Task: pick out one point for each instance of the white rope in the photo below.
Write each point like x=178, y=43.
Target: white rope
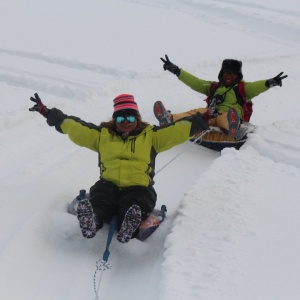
x=199, y=137
x=101, y=266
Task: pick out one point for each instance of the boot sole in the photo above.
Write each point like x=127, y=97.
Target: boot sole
x=86, y=220
x=130, y=224
x=233, y=122
x=161, y=113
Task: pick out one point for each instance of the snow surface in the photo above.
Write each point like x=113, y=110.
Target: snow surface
x=233, y=225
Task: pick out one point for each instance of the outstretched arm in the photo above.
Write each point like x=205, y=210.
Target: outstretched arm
x=166, y=137
x=80, y=132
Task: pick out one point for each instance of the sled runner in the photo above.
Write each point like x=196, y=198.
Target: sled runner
x=147, y=226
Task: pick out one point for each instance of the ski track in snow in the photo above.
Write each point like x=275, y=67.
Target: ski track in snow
x=49, y=77
x=38, y=159
x=255, y=19
x=56, y=159
x=72, y=64
x=42, y=164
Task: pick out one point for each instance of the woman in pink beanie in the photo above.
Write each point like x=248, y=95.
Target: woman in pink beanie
x=127, y=147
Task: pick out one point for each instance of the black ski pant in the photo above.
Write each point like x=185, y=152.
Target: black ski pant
x=108, y=200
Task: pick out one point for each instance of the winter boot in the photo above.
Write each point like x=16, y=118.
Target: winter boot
x=162, y=115
x=130, y=223
x=86, y=218
x=233, y=122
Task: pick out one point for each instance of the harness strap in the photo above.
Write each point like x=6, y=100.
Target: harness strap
x=239, y=90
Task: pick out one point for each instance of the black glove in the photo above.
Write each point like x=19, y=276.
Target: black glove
x=277, y=80
x=170, y=66
x=39, y=106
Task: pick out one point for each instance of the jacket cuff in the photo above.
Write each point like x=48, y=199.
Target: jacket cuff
x=55, y=117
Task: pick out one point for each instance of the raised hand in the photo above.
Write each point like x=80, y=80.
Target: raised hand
x=168, y=65
x=39, y=105
x=276, y=81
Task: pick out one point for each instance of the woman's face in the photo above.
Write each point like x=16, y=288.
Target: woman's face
x=126, y=123
x=229, y=78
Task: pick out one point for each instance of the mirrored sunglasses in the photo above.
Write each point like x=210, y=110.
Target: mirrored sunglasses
x=121, y=119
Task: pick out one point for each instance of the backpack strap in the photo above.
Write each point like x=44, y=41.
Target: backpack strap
x=247, y=105
x=240, y=94
x=212, y=91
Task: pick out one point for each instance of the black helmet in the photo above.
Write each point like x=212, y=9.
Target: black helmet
x=231, y=65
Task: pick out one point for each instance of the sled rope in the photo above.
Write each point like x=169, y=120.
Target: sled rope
x=102, y=264
x=198, y=138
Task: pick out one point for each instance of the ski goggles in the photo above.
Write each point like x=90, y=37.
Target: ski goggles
x=121, y=119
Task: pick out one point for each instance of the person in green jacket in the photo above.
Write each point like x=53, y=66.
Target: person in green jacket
x=223, y=107
x=127, y=147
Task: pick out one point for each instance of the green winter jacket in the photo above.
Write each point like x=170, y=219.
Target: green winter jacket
x=252, y=89
x=129, y=162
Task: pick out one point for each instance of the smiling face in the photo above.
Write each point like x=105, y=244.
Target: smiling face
x=229, y=78
x=231, y=72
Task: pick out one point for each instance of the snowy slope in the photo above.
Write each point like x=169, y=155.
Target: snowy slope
x=232, y=225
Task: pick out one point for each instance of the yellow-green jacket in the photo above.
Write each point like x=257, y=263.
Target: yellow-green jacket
x=252, y=89
x=129, y=162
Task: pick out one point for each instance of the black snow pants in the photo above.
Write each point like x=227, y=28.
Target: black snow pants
x=108, y=200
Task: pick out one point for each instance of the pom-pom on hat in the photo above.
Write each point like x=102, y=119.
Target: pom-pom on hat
x=124, y=104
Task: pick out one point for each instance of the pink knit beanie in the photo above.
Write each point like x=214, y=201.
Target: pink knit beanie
x=124, y=104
